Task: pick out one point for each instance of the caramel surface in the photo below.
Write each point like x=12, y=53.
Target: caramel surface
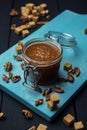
x=42, y=52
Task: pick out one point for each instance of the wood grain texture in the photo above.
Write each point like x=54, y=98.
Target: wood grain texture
x=78, y=6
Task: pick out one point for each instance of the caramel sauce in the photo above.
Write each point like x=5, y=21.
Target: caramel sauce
x=42, y=52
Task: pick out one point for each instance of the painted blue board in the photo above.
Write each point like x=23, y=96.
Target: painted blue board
x=68, y=22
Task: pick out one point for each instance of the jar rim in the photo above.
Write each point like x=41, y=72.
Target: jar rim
x=41, y=63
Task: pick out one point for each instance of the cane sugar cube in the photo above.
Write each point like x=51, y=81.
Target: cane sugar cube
x=67, y=66
x=42, y=127
x=30, y=6
x=54, y=98
x=78, y=125
x=18, y=30
x=23, y=27
x=32, y=24
x=19, y=49
x=25, y=33
x=51, y=105
x=68, y=119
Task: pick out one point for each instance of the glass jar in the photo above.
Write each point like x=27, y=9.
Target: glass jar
x=42, y=59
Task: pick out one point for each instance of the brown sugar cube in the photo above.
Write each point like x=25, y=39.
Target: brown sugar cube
x=39, y=8
x=24, y=11
x=23, y=27
x=42, y=13
x=51, y=105
x=20, y=43
x=67, y=66
x=30, y=6
x=42, y=22
x=54, y=98
x=18, y=30
x=30, y=17
x=19, y=49
x=68, y=119
x=42, y=127
x=32, y=24
x=35, y=18
x=43, y=5
x=34, y=12
x=25, y=32
x=78, y=125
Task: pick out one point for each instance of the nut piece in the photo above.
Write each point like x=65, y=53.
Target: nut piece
x=46, y=91
x=42, y=127
x=8, y=66
x=58, y=89
x=14, y=12
x=78, y=125
x=13, y=26
x=67, y=66
x=22, y=66
x=70, y=78
x=38, y=102
x=5, y=78
x=27, y=114
x=33, y=128
x=68, y=119
x=85, y=31
x=76, y=71
x=2, y=115
x=10, y=75
x=18, y=58
x=47, y=97
x=16, y=78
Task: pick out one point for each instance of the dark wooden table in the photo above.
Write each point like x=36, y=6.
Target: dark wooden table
x=14, y=118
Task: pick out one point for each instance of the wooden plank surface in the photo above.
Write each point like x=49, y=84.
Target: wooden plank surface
x=5, y=7
x=79, y=6
x=81, y=106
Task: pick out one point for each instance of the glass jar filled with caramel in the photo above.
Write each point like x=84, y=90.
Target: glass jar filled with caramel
x=42, y=59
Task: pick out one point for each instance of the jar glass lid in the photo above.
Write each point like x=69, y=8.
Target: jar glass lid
x=65, y=39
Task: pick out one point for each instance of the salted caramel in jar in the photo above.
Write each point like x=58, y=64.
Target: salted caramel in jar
x=42, y=59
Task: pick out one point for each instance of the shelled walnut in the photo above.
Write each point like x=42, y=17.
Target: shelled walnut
x=16, y=78
x=8, y=66
x=2, y=115
x=27, y=113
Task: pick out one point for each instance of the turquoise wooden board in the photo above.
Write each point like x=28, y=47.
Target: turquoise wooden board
x=68, y=22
